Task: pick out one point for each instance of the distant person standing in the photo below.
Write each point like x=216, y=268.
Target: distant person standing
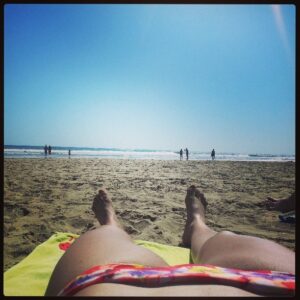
x=45, y=149
x=187, y=153
x=49, y=150
x=181, y=154
x=69, y=152
x=213, y=154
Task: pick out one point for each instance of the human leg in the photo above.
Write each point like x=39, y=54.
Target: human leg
x=195, y=206
x=105, y=245
x=226, y=249
x=283, y=205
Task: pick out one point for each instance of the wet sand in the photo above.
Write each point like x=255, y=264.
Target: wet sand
x=42, y=196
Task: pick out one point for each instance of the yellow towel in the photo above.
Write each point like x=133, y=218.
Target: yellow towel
x=30, y=277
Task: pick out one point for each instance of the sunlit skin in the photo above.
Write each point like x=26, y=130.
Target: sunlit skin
x=224, y=249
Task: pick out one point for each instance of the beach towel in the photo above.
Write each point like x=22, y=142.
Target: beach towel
x=30, y=277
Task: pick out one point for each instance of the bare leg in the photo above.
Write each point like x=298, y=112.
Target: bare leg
x=227, y=249
x=282, y=205
x=195, y=206
x=105, y=245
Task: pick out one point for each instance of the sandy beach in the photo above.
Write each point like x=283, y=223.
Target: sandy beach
x=42, y=196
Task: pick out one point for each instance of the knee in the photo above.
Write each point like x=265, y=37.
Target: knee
x=224, y=233
x=110, y=230
x=102, y=228
x=104, y=232
x=213, y=246
x=98, y=231
x=219, y=237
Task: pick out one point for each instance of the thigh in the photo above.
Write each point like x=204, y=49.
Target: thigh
x=105, y=245
x=231, y=250
x=203, y=290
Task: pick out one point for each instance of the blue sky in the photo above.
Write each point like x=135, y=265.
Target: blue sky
x=151, y=76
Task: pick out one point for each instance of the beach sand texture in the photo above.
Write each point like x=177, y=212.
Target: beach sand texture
x=42, y=196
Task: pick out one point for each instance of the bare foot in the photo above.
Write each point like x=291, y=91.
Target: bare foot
x=283, y=205
x=196, y=203
x=103, y=209
x=272, y=204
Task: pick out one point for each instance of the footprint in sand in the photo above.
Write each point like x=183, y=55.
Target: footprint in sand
x=130, y=229
x=157, y=230
x=142, y=224
x=16, y=210
x=80, y=223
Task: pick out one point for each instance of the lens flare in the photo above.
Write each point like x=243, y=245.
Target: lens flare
x=281, y=27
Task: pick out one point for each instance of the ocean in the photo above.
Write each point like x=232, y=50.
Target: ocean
x=12, y=151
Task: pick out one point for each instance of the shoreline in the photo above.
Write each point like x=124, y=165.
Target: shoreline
x=42, y=196
x=151, y=159
x=120, y=153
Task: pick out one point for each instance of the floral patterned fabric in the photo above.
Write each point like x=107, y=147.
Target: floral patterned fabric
x=259, y=282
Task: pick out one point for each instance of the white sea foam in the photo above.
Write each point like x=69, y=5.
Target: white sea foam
x=57, y=152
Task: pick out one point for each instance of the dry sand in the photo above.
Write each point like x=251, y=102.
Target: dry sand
x=42, y=196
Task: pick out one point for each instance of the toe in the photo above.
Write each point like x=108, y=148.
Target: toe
x=201, y=196
x=94, y=204
x=191, y=190
x=102, y=192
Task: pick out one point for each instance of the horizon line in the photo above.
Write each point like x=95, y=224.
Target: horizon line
x=137, y=149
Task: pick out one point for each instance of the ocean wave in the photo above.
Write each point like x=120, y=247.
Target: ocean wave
x=36, y=151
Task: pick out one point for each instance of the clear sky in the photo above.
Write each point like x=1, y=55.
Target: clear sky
x=151, y=76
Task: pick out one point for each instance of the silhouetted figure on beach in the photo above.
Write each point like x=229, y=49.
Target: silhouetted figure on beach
x=213, y=154
x=181, y=154
x=187, y=153
x=49, y=150
x=45, y=149
x=69, y=152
